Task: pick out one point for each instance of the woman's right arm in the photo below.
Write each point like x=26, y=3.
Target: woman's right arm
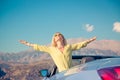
x=35, y=46
x=26, y=43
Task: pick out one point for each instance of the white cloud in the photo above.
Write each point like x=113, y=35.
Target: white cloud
x=116, y=27
x=89, y=28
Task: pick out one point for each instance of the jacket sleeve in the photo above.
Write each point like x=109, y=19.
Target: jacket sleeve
x=41, y=48
x=80, y=45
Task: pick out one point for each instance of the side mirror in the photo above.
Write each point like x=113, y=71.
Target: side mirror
x=44, y=72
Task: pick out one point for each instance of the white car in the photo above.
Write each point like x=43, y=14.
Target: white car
x=101, y=69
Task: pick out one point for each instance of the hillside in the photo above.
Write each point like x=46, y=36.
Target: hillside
x=12, y=71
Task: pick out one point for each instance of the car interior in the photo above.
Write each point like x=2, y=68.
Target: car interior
x=83, y=59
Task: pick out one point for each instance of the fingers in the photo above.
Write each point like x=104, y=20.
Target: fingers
x=23, y=41
x=94, y=38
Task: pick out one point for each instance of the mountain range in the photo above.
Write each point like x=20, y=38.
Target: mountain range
x=25, y=65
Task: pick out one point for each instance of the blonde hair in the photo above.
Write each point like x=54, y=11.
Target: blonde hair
x=53, y=41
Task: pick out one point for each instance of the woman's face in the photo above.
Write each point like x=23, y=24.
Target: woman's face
x=58, y=37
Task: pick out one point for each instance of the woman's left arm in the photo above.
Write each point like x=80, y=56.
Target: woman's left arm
x=82, y=44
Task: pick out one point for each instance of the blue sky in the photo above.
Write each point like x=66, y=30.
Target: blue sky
x=37, y=20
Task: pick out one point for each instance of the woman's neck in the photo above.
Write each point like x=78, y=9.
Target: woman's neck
x=60, y=45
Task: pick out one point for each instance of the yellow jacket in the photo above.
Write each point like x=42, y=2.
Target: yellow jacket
x=63, y=60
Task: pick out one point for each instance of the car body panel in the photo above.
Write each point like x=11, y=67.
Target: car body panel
x=87, y=71
x=83, y=75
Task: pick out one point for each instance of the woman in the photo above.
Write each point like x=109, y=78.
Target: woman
x=60, y=51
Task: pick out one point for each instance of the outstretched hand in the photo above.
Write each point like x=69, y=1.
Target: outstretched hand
x=92, y=39
x=23, y=42
x=26, y=43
